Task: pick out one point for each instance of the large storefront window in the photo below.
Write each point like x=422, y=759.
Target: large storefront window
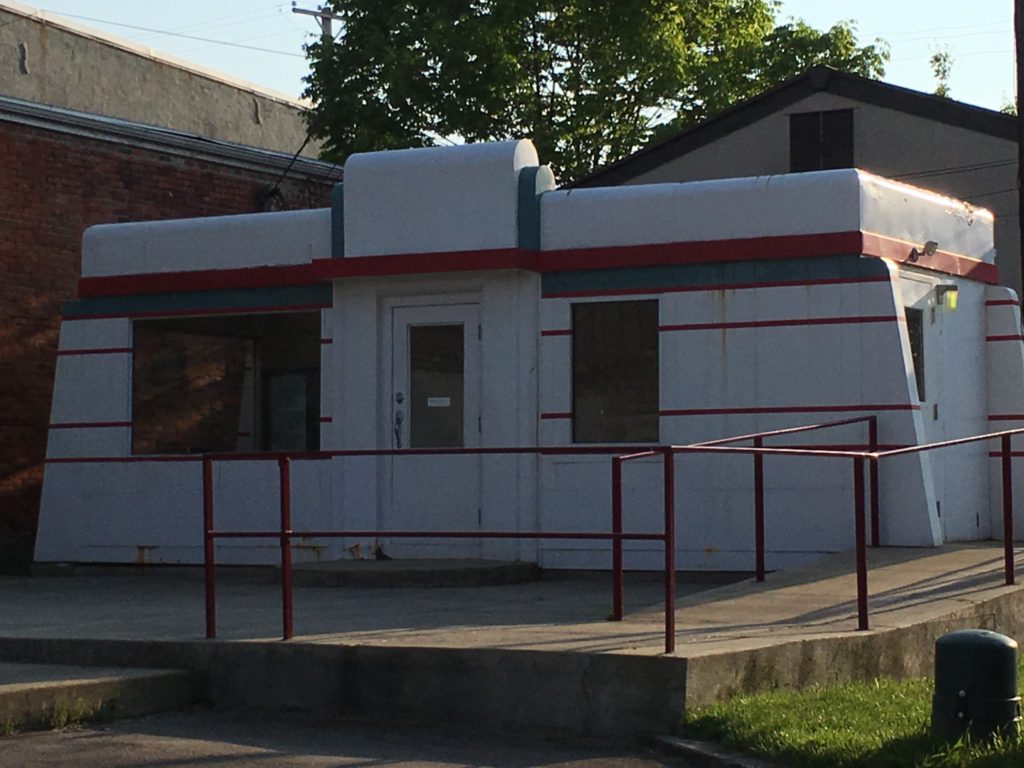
x=615, y=372
x=239, y=383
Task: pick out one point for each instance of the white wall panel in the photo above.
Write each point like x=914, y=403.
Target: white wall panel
x=215, y=242
x=108, y=333
x=92, y=388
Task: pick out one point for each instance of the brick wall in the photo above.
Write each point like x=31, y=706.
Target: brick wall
x=52, y=186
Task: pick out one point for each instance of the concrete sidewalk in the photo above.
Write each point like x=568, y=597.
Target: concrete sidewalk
x=55, y=695
x=533, y=653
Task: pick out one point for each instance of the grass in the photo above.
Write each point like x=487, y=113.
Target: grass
x=881, y=724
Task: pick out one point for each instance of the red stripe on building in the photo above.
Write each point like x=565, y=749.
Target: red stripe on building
x=1002, y=303
x=557, y=332
x=98, y=351
x=780, y=323
x=120, y=459
x=1006, y=417
x=570, y=259
x=199, y=280
x=326, y=341
x=941, y=261
x=1007, y=337
x=89, y=424
x=787, y=409
x=419, y=263
x=326, y=419
x=556, y=415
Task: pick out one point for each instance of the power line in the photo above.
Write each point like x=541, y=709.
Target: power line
x=254, y=17
x=929, y=172
x=943, y=29
x=956, y=56
x=186, y=37
x=994, y=192
x=278, y=33
x=941, y=38
x=231, y=18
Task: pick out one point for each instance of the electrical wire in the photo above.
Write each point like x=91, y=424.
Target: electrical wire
x=184, y=36
x=994, y=192
x=1006, y=22
x=930, y=172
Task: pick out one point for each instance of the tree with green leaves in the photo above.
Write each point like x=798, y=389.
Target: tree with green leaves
x=941, y=62
x=588, y=82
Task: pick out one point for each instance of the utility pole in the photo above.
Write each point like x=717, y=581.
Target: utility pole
x=1018, y=36
x=323, y=18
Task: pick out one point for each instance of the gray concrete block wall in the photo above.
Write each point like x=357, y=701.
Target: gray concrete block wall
x=69, y=67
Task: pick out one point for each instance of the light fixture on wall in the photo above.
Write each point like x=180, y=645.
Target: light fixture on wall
x=928, y=249
x=946, y=296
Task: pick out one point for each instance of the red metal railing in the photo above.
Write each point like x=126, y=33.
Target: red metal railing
x=860, y=526
x=285, y=534
x=758, y=439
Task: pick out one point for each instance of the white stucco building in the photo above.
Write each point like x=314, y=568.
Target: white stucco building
x=452, y=298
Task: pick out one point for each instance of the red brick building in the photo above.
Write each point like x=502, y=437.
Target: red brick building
x=62, y=171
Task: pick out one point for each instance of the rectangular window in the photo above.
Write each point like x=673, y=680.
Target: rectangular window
x=436, y=386
x=820, y=141
x=216, y=384
x=291, y=415
x=915, y=330
x=615, y=372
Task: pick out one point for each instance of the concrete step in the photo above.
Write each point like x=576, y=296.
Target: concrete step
x=413, y=573
x=366, y=573
x=34, y=696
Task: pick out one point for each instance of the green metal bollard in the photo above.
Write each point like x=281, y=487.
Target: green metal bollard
x=975, y=685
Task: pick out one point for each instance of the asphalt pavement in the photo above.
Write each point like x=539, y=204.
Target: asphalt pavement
x=203, y=737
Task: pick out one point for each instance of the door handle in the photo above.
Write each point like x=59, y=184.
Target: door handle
x=398, y=428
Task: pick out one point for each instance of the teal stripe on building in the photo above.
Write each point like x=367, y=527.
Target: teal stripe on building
x=729, y=273
x=199, y=302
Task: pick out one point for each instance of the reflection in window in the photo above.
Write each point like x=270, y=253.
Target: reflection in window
x=289, y=398
x=222, y=384
x=615, y=371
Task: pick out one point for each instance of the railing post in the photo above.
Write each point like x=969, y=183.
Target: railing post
x=617, y=587
x=284, y=467
x=208, y=550
x=670, y=551
x=1006, y=458
x=759, y=511
x=876, y=533
x=862, y=555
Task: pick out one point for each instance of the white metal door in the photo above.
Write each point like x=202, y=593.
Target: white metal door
x=434, y=403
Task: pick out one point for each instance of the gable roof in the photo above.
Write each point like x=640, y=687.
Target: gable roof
x=815, y=80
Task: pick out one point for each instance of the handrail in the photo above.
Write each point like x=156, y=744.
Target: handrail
x=616, y=536
x=285, y=534
x=790, y=431
x=947, y=443
x=858, y=458
x=759, y=526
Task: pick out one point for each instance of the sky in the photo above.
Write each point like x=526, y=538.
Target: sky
x=980, y=43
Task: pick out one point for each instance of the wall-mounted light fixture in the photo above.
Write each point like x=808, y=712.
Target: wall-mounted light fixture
x=928, y=249
x=946, y=296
